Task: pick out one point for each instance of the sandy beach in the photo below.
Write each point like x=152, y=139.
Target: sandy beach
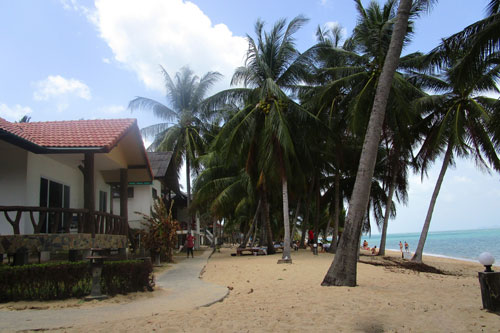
x=267, y=297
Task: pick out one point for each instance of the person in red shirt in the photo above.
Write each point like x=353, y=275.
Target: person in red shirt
x=310, y=241
x=189, y=245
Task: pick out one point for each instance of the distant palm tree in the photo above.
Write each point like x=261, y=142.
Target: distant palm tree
x=479, y=41
x=25, y=119
x=459, y=120
x=181, y=131
x=342, y=272
x=261, y=131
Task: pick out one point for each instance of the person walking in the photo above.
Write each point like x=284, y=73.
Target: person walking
x=190, y=245
x=310, y=240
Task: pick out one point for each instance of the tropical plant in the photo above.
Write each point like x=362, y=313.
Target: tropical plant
x=182, y=130
x=160, y=233
x=342, y=272
x=479, y=41
x=459, y=122
x=261, y=131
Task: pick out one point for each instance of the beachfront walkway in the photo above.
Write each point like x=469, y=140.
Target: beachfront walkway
x=184, y=290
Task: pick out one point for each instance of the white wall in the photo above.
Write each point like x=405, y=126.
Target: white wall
x=100, y=185
x=12, y=182
x=20, y=173
x=141, y=202
x=43, y=166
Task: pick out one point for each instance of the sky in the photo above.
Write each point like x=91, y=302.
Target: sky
x=82, y=59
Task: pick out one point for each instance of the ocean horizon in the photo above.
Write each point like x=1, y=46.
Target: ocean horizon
x=456, y=244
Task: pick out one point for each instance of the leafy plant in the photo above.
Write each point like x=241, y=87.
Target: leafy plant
x=160, y=235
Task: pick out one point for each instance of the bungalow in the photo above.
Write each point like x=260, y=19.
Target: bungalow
x=165, y=185
x=57, y=180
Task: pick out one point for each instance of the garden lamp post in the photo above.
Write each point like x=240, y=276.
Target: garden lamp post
x=96, y=262
x=489, y=282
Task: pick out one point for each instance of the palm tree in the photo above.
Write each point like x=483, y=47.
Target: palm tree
x=459, y=123
x=479, y=40
x=342, y=272
x=261, y=131
x=181, y=131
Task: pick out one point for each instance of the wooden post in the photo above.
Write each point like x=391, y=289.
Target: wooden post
x=111, y=199
x=490, y=290
x=124, y=200
x=89, y=192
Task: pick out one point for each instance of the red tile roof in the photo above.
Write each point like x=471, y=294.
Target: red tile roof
x=99, y=133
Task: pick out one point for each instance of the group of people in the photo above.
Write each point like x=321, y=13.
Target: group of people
x=311, y=243
x=407, y=247
x=366, y=247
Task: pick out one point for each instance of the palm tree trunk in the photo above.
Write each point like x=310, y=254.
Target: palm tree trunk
x=343, y=270
x=188, y=184
x=262, y=235
x=316, y=218
x=214, y=229
x=333, y=245
x=286, y=247
x=255, y=228
x=249, y=232
x=417, y=257
x=305, y=223
x=296, y=217
x=267, y=221
x=388, y=207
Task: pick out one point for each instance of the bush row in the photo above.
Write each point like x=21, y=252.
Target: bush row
x=72, y=279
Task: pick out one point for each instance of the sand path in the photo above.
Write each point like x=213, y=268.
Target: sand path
x=181, y=289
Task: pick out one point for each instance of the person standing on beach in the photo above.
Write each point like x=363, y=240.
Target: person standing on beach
x=190, y=245
x=407, y=248
x=310, y=241
x=401, y=249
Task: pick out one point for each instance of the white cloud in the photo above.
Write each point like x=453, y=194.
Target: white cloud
x=174, y=33
x=62, y=106
x=419, y=186
x=57, y=86
x=75, y=5
x=106, y=60
x=112, y=109
x=14, y=113
x=69, y=4
x=462, y=179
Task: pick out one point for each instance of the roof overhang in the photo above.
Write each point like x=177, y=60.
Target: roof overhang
x=127, y=152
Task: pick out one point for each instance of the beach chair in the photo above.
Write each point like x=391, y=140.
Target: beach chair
x=252, y=250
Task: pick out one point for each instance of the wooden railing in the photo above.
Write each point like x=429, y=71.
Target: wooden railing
x=63, y=220
x=106, y=223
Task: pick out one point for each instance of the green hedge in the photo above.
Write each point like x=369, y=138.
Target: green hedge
x=72, y=279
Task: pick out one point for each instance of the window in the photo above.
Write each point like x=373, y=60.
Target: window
x=155, y=194
x=115, y=192
x=53, y=195
x=103, y=201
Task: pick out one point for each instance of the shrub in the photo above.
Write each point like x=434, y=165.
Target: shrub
x=72, y=279
x=160, y=234
x=121, y=277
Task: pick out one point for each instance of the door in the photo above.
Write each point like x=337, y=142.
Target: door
x=53, y=195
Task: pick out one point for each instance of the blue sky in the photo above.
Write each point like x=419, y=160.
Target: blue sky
x=72, y=59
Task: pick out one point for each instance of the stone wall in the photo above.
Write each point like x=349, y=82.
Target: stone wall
x=60, y=242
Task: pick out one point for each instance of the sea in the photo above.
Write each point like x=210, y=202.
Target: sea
x=459, y=244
